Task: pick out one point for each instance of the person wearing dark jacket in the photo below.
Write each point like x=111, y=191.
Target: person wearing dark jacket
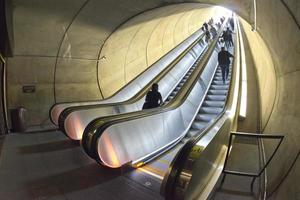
x=224, y=62
x=153, y=98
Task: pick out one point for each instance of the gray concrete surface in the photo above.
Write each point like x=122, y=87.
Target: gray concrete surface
x=47, y=165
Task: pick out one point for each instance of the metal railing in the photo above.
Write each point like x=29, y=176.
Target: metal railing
x=2, y=59
x=249, y=135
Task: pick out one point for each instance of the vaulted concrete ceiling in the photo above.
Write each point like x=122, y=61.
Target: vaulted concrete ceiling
x=47, y=27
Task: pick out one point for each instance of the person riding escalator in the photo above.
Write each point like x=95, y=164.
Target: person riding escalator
x=153, y=98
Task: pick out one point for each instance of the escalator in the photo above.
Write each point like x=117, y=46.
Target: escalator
x=155, y=170
x=74, y=120
x=138, y=137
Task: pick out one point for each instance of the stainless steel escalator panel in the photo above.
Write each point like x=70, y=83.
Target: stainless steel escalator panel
x=135, y=86
x=137, y=139
x=76, y=121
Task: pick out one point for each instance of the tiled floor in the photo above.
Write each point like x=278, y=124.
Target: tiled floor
x=49, y=166
x=244, y=158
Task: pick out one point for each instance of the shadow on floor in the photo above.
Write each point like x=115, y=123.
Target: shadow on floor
x=48, y=147
x=1, y=143
x=75, y=180
x=235, y=192
x=235, y=188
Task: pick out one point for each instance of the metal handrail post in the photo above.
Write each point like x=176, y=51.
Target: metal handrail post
x=239, y=173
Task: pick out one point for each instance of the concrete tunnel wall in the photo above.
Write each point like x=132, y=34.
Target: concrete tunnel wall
x=143, y=40
x=36, y=50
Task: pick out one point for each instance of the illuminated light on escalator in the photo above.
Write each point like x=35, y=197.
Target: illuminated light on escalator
x=139, y=164
x=73, y=129
x=232, y=110
x=108, y=154
x=243, y=105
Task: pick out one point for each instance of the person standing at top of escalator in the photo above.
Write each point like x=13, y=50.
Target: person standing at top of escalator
x=153, y=98
x=224, y=62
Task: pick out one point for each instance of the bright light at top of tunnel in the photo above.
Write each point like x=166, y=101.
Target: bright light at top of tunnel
x=221, y=11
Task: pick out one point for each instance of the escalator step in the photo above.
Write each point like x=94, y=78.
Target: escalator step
x=192, y=132
x=219, y=87
x=219, y=104
x=221, y=82
x=217, y=78
x=206, y=117
x=211, y=110
x=215, y=97
x=199, y=125
x=217, y=92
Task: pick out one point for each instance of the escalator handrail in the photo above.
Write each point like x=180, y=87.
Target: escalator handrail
x=180, y=159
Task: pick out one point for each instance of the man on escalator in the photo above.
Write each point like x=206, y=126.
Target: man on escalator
x=224, y=62
x=153, y=98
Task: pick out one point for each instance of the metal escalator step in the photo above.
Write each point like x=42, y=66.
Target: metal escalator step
x=217, y=78
x=192, y=132
x=221, y=82
x=215, y=97
x=211, y=110
x=206, y=117
x=219, y=87
x=217, y=92
x=219, y=104
x=200, y=125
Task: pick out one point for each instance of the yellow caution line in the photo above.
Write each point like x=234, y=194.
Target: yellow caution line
x=154, y=170
x=163, y=161
x=151, y=173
